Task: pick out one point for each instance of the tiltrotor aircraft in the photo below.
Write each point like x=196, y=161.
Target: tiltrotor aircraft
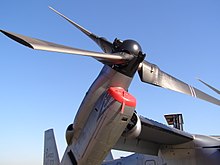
x=107, y=118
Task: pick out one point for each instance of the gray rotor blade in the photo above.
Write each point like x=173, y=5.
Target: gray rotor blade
x=214, y=89
x=105, y=45
x=49, y=46
x=151, y=73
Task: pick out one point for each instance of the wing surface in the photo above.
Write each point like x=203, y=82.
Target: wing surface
x=152, y=136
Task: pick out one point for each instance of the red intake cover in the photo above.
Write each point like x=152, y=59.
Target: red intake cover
x=122, y=96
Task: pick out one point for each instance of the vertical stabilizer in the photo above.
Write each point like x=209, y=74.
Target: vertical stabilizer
x=51, y=156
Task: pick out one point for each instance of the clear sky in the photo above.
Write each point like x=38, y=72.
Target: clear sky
x=40, y=90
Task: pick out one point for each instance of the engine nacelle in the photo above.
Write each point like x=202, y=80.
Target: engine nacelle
x=133, y=128
x=69, y=134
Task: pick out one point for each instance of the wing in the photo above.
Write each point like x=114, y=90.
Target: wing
x=152, y=136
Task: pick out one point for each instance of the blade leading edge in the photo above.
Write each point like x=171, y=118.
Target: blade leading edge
x=151, y=73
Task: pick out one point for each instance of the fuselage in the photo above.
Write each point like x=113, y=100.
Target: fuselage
x=203, y=150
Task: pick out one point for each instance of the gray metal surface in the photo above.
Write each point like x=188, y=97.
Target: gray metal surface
x=49, y=46
x=151, y=73
x=211, y=87
x=105, y=45
x=152, y=136
x=50, y=149
x=136, y=159
x=107, y=78
x=121, y=62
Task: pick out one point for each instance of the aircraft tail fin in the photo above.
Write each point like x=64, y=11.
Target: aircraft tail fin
x=51, y=156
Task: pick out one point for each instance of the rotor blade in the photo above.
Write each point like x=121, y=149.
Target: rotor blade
x=214, y=89
x=150, y=73
x=49, y=46
x=105, y=45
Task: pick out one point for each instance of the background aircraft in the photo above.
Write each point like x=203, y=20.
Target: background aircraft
x=198, y=44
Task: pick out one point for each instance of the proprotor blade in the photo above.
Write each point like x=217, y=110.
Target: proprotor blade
x=105, y=45
x=49, y=46
x=211, y=87
x=150, y=73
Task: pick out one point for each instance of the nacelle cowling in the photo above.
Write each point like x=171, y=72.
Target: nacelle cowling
x=69, y=134
x=133, y=128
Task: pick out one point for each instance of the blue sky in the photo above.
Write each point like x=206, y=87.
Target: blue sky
x=40, y=90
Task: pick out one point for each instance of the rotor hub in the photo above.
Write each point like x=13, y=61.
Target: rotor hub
x=129, y=46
